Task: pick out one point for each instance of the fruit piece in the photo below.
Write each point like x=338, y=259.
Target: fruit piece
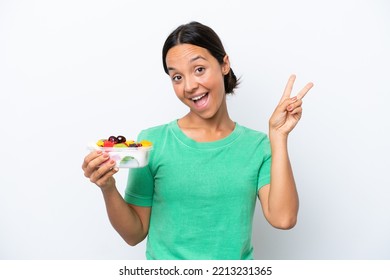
x=113, y=139
x=145, y=143
x=108, y=143
x=121, y=139
x=121, y=142
x=120, y=145
x=129, y=142
x=100, y=143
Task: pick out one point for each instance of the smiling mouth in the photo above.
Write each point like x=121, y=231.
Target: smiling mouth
x=198, y=98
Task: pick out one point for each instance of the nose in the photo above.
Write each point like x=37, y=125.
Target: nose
x=190, y=84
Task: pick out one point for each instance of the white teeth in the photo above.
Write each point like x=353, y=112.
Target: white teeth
x=198, y=97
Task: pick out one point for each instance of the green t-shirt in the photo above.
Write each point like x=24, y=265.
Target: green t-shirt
x=202, y=194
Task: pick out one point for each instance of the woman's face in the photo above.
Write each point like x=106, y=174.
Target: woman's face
x=197, y=78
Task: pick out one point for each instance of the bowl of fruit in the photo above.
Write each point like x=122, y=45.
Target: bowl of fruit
x=126, y=153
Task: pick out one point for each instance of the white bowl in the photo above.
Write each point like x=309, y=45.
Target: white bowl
x=131, y=157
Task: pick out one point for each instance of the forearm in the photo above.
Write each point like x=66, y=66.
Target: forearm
x=122, y=217
x=283, y=197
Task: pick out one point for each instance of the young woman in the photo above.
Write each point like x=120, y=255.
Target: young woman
x=196, y=198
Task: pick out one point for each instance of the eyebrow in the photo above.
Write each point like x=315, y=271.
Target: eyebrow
x=197, y=57
x=191, y=60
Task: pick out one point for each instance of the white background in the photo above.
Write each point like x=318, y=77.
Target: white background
x=72, y=72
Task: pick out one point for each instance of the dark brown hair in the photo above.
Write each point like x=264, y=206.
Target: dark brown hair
x=200, y=35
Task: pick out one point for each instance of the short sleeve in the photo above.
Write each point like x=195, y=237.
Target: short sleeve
x=140, y=185
x=265, y=167
x=139, y=189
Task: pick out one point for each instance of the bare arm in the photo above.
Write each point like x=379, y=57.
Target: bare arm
x=130, y=221
x=279, y=199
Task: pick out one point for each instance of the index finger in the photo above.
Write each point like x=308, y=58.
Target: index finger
x=288, y=88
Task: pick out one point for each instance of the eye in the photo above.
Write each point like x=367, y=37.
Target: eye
x=176, y=78
x=199, y=70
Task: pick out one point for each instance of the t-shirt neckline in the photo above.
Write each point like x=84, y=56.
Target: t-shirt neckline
x=182, y=137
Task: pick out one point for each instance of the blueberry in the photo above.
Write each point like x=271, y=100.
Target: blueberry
x=121, y=139
x=113, y=139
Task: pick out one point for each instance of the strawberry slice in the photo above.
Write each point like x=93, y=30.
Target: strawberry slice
x=108, y=143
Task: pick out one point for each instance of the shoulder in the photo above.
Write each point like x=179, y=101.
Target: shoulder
x=255, y=141
x=153, y=132
x=159, y=135
x=252, y=134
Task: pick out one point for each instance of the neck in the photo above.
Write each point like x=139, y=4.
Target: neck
x=207, y=129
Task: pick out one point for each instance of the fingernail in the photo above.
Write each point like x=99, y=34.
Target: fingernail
x=116, y=169
x=99, y=152
x=105, y=155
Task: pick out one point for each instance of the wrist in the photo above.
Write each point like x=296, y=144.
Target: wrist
x=277, y=137
x=108, y=189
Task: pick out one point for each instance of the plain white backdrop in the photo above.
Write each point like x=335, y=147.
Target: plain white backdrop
x=75, y=71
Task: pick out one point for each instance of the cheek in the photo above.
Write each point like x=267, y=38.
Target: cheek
x=178, y=89
x=215, y=77
x=210, y=80
x=215, y=82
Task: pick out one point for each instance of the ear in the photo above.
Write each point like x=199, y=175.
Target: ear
x=225, y=65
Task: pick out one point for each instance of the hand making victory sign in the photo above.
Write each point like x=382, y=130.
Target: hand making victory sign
x=289, y=110
x=279, y=199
